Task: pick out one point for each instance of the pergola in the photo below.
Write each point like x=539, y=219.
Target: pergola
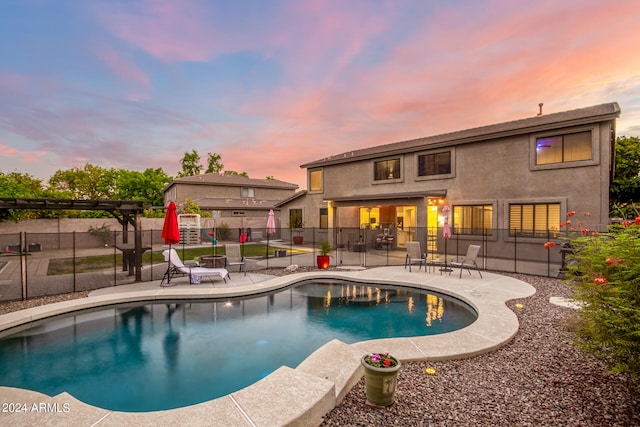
x=127, y=212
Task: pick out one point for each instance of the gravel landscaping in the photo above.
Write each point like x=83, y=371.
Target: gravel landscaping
x=538, y=379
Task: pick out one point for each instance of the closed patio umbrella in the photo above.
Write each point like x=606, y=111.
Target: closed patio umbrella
x=446, y=232
x=271, y=229
x=170, y=231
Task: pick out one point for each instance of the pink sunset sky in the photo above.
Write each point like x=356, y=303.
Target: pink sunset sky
x=271, y=85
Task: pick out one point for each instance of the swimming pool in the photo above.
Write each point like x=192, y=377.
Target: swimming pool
x=162, y=356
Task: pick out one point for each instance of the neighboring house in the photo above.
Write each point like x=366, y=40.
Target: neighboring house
x=507, y=181
x=236, y=201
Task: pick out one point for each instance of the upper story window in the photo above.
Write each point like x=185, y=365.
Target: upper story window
x=315, y=180
x=533, y=219
x=434, y=164
x=384, y=170
x=248, y=192
x=473, y=219
x=572, y=147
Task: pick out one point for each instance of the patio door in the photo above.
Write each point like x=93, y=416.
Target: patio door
x=432, y=224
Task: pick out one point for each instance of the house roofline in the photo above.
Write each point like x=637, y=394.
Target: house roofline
x=290, y=198
x=539, y=123
x=231, y=181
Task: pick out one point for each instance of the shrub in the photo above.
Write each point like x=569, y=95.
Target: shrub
x=325, y=247
x=103, y=232
x=605, y=274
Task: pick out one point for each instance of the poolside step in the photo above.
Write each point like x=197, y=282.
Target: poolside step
x=344, y=370
x=286, y=397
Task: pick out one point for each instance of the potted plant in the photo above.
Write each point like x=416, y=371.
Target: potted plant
x=380, y=378
x=297, y=224
x=323, y=259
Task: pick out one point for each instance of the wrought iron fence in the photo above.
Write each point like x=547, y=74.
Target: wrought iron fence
x=39, y=264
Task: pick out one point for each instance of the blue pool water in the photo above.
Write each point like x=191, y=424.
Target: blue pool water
x=151, y=357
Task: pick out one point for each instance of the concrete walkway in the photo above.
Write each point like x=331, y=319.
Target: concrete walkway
x=299, y=396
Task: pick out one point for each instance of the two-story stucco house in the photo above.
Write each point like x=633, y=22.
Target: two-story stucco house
x=513, y=180
x=236, y=201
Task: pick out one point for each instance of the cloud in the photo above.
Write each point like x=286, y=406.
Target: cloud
x=23, y=156
x=124, y=69
x=171, y=31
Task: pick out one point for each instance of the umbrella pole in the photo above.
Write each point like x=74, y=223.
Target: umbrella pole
x=267, y=250
x=445, y=255
x=168, y=273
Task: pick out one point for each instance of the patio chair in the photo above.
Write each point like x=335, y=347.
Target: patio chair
x=234, y=257
x=415, y=256
x=177, y=267
x=469, y=260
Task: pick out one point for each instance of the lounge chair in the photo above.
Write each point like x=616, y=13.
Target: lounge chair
x=469, y=260
x=235, y=258
x=415, y=255
x=177, y=267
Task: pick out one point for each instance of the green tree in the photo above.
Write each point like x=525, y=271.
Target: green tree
x=89, y=183
x=214, y=163
x=192, y=207
x=624, y=193
x=23, y=185
x=16, y=184
x=190, y=163
x=234, y=173
x=146, y=186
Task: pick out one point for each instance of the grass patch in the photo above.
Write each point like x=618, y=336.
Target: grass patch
x=104, y=262
x=82, y=264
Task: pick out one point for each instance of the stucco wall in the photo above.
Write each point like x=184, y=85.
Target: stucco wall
x=495, y=171
x=69, y=225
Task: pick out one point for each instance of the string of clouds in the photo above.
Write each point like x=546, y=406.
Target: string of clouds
x=270, y=85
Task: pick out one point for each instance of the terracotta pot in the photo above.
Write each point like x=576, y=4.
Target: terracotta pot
x=297, y=240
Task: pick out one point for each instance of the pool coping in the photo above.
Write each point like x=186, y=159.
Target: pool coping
x=300, y=396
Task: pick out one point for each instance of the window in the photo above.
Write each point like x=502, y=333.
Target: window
x=533, y=220
x=434, y=164
x=295, y=218
x=324, y=218
x=369, y=217
x=473, y=220
x=248, y=192
x=386, y=169
x=571, y=147
x=315, y=180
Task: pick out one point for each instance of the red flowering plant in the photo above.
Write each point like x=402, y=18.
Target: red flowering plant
x=604, y=272
x=572, y=228
x=381, y=360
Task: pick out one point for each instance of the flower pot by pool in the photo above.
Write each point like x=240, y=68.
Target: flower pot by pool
x=380, y=378
x=297, y=240
x=322, y=261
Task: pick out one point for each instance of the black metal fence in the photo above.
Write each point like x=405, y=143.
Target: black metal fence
x=38, y=264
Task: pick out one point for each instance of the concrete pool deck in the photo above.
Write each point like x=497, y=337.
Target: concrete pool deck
x=288, y=396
